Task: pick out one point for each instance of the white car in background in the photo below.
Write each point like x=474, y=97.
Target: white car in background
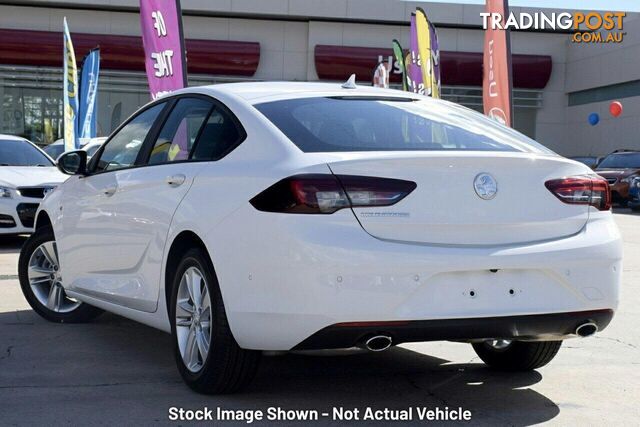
x=278, y=216
x=90, y=145
x=26, y=175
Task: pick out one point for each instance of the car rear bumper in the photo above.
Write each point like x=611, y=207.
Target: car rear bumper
x=535, y=327
x=290, y=276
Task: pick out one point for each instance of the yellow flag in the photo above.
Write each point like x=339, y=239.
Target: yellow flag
x=424, y=48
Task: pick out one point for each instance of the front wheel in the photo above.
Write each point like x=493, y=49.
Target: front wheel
x=516, y=355
x=41, y=281
x=208, y=357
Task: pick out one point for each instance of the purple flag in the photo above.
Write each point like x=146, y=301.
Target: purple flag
x=414, y=66
x=165, y=60
x=435, y=53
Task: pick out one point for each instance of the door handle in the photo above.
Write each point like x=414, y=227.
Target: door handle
x=110, y=191
x=176, y=180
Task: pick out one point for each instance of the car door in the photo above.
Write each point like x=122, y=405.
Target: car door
x=117, y=219
x=95, y=246
x=148, y=198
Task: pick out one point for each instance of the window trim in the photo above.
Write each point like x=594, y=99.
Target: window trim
x=147, y=149
x=147, y=145
x=215, y=105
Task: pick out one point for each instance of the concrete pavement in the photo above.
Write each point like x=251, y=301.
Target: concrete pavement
x=116, y=371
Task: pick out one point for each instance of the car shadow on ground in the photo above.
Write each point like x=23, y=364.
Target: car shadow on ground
x=54, y=372
x=11, y=244
x=625, y=211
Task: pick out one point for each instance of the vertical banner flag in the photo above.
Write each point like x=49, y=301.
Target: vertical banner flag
x=381, y=76
x=88, y=111
x=497, y=81
x=414, y=72
x=424, y=48
x=163, y=40
x=70, y=92
x=435, y=62
x=397, y=51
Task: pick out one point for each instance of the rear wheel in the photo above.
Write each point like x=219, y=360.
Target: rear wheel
x=41, y=281
x=516, y=355
x=208, y=357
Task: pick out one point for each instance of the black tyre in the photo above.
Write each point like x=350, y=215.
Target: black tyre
x=516, y=355
x=208, y=357
x=41, y=280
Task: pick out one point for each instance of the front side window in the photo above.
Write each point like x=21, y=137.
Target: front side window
x=179, y=133
x=334, y=124
x=122, y=150
x=21, y=153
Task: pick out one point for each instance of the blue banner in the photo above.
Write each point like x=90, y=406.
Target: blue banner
x=70, y=93
x=88, y=112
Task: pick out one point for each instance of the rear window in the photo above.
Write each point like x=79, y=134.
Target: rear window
x=621, y=161
x=333, y=124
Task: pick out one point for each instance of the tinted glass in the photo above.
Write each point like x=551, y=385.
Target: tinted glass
x=373, y=124
x=21, y=153
x=219, y=136
x=54, y=150
x=122, y=150
x=621, y=161
x=92, y=150
x=180, y=131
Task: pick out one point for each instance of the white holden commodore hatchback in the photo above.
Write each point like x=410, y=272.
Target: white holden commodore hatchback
x=282, y=216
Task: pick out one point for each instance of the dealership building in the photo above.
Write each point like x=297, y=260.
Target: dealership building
x=557, y=83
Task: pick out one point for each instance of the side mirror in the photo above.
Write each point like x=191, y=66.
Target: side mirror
x=73, y=162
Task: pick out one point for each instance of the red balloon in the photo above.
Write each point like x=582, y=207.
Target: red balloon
x=615, y=108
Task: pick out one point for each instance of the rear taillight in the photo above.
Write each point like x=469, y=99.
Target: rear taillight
x=582, y=190
x=326, y=193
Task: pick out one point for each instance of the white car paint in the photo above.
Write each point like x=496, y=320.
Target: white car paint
x=24, y=177
x=284, y=277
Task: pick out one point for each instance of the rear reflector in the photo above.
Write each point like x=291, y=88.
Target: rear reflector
x=582, y=190
x=326, y=193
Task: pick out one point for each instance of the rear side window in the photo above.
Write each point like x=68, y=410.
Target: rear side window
x=179, y=133
x=220, y=134
x=337, y=124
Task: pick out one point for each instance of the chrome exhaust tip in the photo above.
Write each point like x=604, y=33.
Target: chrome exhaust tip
x=586, y=329
x=378, y=343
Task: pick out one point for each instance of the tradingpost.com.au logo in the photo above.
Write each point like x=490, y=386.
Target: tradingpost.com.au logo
x=590, y=27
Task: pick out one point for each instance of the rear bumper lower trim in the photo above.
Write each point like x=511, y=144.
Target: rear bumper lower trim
x=528, y=327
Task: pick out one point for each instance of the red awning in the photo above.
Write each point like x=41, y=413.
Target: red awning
x=458, y=68
x=44, y=48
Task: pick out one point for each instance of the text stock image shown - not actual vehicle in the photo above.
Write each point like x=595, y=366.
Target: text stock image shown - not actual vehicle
x=281, y=216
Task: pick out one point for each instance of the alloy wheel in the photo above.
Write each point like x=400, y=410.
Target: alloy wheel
x=45, y=279
x=193, y=319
